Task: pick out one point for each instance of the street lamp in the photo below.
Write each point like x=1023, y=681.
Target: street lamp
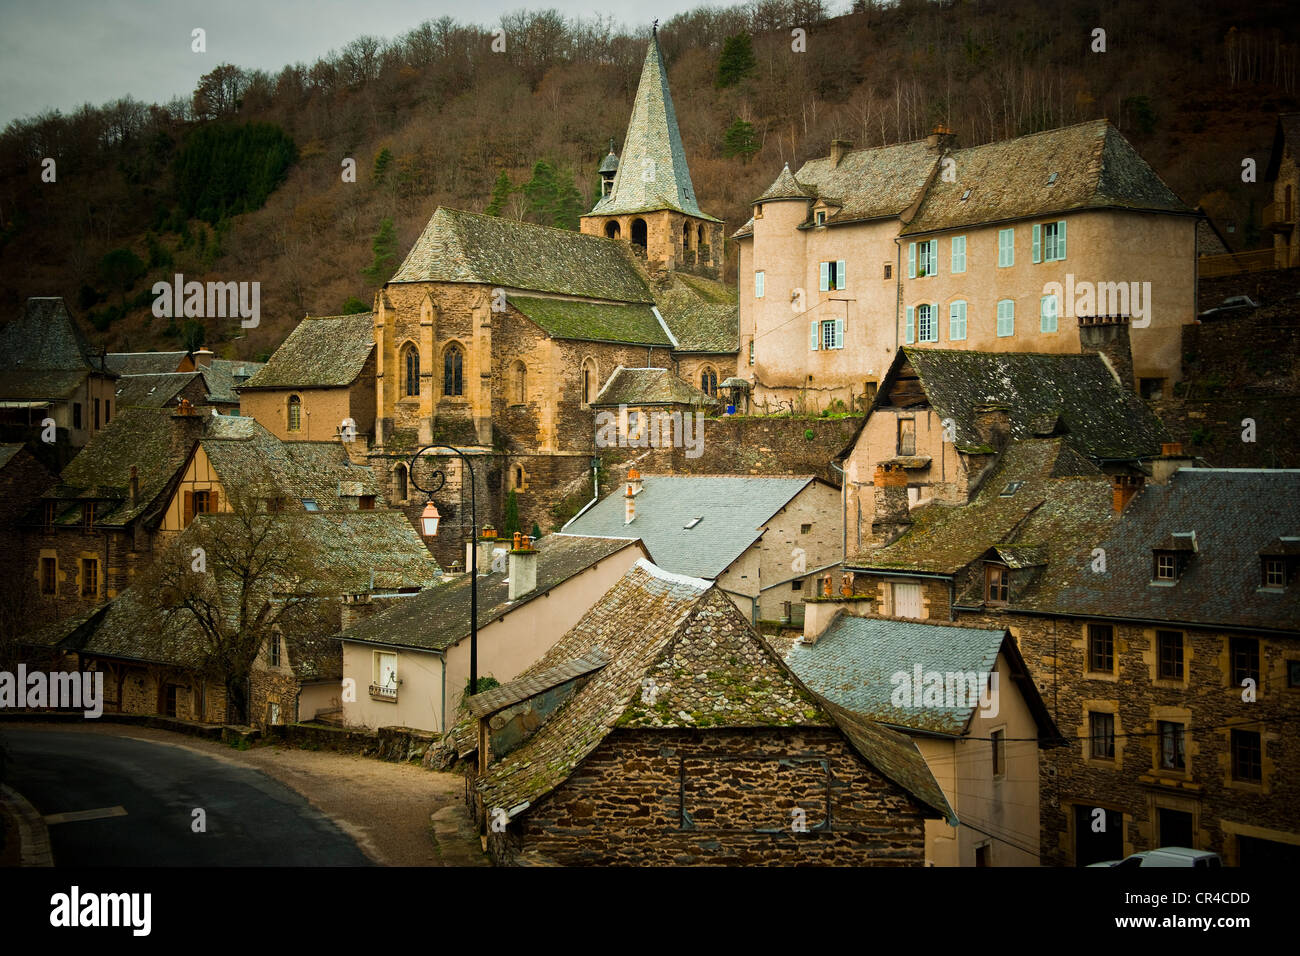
x=429, y=518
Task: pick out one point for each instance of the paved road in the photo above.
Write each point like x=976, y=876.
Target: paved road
x=252, y=820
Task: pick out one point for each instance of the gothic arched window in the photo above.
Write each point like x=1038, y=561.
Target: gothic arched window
x=295, y=413
x=411, y=365
x=453, y=363
x=709, y=382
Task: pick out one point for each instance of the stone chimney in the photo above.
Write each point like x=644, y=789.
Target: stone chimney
x=487, y=544
x=523, y=567
x=1172, y=457
x=633, y=489
x=817, y=617
x=839, y=149
x=634, y=481
x=892, y=515
x=1123, y=489
x=993, y=424
x=135, y=485
x=183, y=409
x=941, y=137
x=203, y=357
x=1108, y=336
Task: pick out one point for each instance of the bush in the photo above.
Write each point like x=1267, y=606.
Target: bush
x=809, y=434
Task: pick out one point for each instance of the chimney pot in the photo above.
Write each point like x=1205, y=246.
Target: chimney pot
x=523, y=572
x=1171, y=448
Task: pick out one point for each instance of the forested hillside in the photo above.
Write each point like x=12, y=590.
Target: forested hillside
x=245, y=180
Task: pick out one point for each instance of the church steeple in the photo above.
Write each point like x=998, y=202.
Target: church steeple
x=646, y=194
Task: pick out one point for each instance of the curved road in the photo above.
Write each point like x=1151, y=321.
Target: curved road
x=252, y=820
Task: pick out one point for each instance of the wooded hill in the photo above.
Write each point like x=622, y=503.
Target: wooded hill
x=243, y=181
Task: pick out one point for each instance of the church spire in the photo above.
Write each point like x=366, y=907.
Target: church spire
x=652, y=172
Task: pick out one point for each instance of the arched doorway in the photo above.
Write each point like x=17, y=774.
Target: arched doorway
x=639, y=233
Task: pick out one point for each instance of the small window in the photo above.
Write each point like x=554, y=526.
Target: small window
x=821, y=217
x=1101, y=731
x=998, y=739
x=90, y=577
x=1172, y=752
x=1274, y=571
x=1166, y=566
x=958, y=254
x=310, y=504
x=833, y=276
x=927, y=326
x=805, y=529
x=758, y=284
x=1244, y=652
x=1051, y=180
x=965, y=195
x=202, y=502
x=49, y=575
x=399, y=475
x=1006, y=318
x=925, y=258
x=453, y=367
x=828, y=334
x=907, y=436
x=1006, y=248
x=96, y=414
x=273, y=654
x=1247, y=756
x=76, y=414
x=295, y=413
x=709, y=382
x=889, y=270
x=1101, y=648
x=411, y=368
x=1049, y=242
x=1169, y=655
x=996, y=584
x=796, y=585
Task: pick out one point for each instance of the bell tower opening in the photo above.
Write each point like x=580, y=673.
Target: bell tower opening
x=639, y=233
x=612, y=230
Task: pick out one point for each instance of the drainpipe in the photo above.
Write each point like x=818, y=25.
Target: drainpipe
x=442, y=717
x=844, y=513
x=595, y=493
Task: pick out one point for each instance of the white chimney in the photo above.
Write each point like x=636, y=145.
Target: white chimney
x=523, y=568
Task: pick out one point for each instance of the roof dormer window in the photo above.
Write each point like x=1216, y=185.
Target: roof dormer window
x=1169, y=561
x=1278, y=563
x=821, y=217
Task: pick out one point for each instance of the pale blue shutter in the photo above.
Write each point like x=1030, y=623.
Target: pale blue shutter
x=933, y=268
x=934, y=322
x=911, y=260
x=1060, y=239
x=958, y=254
x=909, y=335
x=758, y=285
x=1038, y=243
x=825, y=277
x=839, y=333
x=840, y=275
x=957, y=321
x=814, y=331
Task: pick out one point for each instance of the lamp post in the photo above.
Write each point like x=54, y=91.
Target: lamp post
x=429, y=519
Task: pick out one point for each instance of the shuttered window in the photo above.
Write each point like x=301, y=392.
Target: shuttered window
x=957, y=321
x=1006, y=248
x=1006, y=317
x=958, y=254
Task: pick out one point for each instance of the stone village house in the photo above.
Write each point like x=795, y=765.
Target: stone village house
x=864, y=251
x=662, y=730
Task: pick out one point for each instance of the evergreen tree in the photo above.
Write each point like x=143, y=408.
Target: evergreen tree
x=739, y=140
x=500, y=195
x=384, y=247
x=120, y=270
x=354, y=306
x=737, y=60
x=537, y=532
x=542, y=193
x=512, y=514
x=383, y=160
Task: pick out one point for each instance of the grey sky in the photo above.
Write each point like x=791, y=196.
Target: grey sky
x=59, y=54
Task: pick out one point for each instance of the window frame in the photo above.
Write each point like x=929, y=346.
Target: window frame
x=1006, y=248
x=956, y=256
x=1095, y=631
x=1237, y=737
x=903, y=432
x=1107, y=738
x=1161, y=638
x=293, y=415
x=89, y=575
x=49, y=575
x=453, y=371
x=410, y=370
x=1009, y=329
x=997, y=580
x=760, y=278
x=1178, y=740
x=1239, y=648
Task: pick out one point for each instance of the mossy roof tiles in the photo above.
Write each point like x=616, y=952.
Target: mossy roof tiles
x=594, y=321
x=459, y=246
x=322, y=352
x=648, y=386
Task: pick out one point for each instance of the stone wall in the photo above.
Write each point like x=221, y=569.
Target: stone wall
x=624, y=804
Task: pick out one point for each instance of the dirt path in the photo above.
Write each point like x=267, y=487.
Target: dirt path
x=398, y=814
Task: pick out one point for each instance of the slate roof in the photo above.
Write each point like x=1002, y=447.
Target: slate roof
x=1049, y=519
x=594, y=321
x=702, y=314
x=854, y=660
x=671, y=629
x=248, y=458
x=1103, y=419
x=538, y=682
x=43, y=354
x=786, y=186
x=7, y=452
x=1096, y=168
x=321, y=352
x=224, y=375
x=1235, y=513
x=153, y=390
x=459, y=246
x=734, y=510
x=154, y=440
x=648, y=386
x=652, y=172
x=870, y=183
x=144, y=363
x=438, y=617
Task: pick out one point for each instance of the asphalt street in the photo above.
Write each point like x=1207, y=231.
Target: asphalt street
x=251, y=819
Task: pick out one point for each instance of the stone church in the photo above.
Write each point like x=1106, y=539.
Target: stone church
x=495, y=335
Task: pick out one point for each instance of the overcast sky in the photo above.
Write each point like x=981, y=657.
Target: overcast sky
x=58, y=54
